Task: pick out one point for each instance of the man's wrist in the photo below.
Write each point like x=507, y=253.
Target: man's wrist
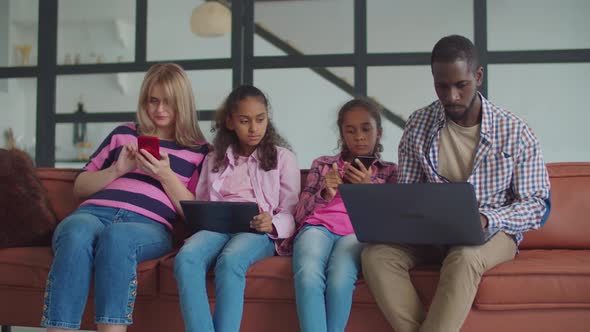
x=484, y=220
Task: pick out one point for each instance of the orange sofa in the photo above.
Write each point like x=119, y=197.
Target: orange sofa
x=546, y=288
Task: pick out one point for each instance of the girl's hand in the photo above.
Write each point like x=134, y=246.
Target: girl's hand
x=361, y=175
x=331, y=183
x=127, y=159
x=262, y=223
x=158, y=169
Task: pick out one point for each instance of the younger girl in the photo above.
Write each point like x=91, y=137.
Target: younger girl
x=131, y=198
x=249, y=164
x=326, y=253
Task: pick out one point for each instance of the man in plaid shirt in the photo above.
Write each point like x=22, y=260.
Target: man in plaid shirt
x=460, y=137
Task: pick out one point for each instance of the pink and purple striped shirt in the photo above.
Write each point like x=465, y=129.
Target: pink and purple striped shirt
x=136, y=191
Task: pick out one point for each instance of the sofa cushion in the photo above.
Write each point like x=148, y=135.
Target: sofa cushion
x=272, y=279
x=568, y=225
x=27, y=267
x=538, y=279
x=535, y=279
x=26, y=218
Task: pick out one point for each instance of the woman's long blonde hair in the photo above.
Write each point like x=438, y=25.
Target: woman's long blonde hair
x=178, y=90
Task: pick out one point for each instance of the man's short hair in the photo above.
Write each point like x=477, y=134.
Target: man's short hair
x=452, y=48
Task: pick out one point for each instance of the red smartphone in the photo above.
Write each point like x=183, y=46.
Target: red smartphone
x=366, y=160
x=151, y=144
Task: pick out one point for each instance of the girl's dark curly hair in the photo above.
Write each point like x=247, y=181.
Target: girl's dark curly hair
x=224, y=138
x=375, y=112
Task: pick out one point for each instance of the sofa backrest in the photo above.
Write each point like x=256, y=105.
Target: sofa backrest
x=568, y=225
x=60, y=189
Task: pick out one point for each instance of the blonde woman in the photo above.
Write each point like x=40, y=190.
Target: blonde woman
x=130, y=199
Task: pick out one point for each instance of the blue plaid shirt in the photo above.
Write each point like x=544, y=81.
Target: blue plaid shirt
x=509, y=175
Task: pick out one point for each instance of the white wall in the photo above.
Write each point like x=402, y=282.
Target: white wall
x=92, y=29
x=313, y=27
x=119, y=92
x=23, y=20
x=18, y=111
x=304, y=110
x=415, y=26
x=170, y=37
x=304, y=104
x=18, y=96
x=550, y=97
x=64, y=149
x=538, y=24
x=4, y=35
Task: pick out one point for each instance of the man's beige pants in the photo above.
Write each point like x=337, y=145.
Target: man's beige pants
x=385, y=268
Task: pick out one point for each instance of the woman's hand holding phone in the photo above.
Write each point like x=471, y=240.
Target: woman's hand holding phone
x=331, y=182
x=359, y=173
x=158, y=169
x=126, y=162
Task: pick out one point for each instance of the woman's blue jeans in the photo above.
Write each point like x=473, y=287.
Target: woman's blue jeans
x=109, y=243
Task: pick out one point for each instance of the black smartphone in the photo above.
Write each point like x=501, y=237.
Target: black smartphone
x=366, y=160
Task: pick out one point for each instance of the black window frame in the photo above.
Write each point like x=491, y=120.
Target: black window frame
x=243, y=63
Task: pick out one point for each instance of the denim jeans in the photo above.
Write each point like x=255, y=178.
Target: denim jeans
x=325, y=267
x=109, y=242
x=235, y=253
